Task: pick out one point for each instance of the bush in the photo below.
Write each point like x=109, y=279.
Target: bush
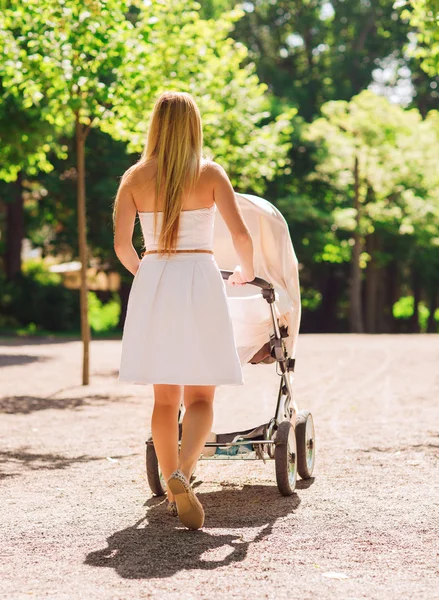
x=405, y=307
x=37, y=300
x=103, y=317
x=36, y=297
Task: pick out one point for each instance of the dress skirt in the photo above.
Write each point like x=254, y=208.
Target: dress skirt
x=178, y=328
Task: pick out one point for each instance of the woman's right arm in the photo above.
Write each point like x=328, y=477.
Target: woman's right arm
x=124, y=218
x=231, y=213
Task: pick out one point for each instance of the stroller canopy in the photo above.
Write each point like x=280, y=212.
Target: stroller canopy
x=275, y=261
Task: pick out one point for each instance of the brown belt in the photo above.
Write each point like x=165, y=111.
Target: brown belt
x=196, y=251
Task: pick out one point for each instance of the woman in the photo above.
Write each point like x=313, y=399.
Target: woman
x=178, y=333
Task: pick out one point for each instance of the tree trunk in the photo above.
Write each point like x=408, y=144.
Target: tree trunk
x=355, y=308
x=14, y=229
x=327, y=312
x=389, y=295
x=392, y=294
x=371, y=285
x=81, y=134
x=432, y=306
x=414, y=319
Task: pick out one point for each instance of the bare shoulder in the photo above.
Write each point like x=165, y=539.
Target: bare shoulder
x=212, y=170
x=138, y=174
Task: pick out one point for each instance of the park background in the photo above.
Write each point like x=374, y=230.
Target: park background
x=326, y=108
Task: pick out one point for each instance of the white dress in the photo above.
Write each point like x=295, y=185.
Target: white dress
x=178, y=328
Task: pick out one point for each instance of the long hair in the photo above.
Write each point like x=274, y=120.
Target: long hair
x=175, y=141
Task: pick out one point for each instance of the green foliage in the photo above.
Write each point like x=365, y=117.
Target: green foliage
x=315, y=51
x=215, y=9
x=423, y=15
x=311, y=299
x=51, y=210
x=396, y=152
x=26, y=139
x=104, y=63
x=424, y=313
x=404, y=309
x=37, y=270
x=35, y=300
x=261, y=73
x=187, y=53
x=103, y=317
x=333, y=253
x=69, y=56
x=30, y=329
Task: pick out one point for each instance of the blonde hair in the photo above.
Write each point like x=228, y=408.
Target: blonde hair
x=175, y=141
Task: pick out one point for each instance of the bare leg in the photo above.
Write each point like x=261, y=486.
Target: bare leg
x=164, y=426
x=197, y=424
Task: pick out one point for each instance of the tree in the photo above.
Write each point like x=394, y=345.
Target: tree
x=423, y=15
x=97, y=66
x=311, y=52
x=195, y=55
x=381, y=158
x=25, y=142
x=76, y=56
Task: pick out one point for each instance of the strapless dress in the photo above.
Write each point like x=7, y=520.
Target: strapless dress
x=178, y=328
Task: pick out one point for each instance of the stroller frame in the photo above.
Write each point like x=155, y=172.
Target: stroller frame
x=286, y=408
x=288, y=437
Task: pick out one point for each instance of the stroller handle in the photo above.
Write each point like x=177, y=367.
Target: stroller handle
x=257, y=281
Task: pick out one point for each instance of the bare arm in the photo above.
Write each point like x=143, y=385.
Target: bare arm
x=125, y=216
x=228, y=206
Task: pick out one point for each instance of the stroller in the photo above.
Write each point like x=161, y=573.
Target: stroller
x=266, y=320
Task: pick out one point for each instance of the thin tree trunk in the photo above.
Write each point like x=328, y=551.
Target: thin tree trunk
x=432, y=306
x=327, y=312
x=355, y=308
x=14, y=229
x=81, y=134
x=381, y=308
x=414, y=319
x=371, y=286
x=391, y=293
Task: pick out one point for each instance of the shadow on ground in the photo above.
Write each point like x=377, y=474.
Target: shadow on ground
x=45, y=340
x=40, y=340
x=157, y=546
x=24, y=405
x=34, y=460
x=10, y=360
x=109, y=373
x=22, y=459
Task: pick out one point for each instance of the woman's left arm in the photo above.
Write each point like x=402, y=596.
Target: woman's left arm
x=124, y=218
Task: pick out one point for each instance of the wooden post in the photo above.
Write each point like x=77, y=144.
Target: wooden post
x=81, y=134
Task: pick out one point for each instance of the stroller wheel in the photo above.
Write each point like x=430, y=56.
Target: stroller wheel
x=285, y=458
x=153, y=473
x=306, y=444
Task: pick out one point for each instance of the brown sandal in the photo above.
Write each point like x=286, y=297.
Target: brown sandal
x=190, y=510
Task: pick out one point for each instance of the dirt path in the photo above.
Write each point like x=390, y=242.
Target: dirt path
x=78, y=521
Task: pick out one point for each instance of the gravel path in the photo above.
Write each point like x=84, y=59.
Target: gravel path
x=78, y=520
